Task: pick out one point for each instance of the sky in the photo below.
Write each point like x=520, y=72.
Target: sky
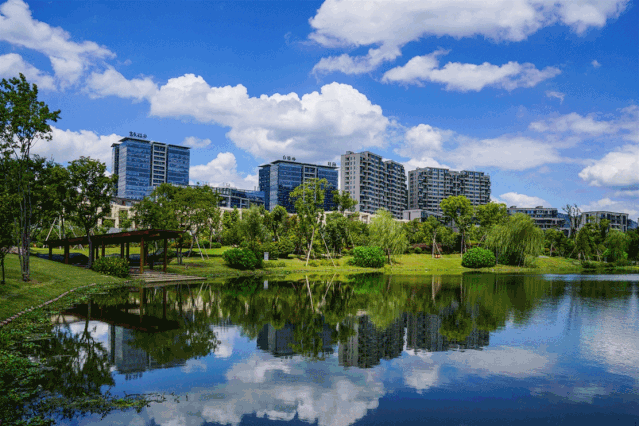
x=540, y=94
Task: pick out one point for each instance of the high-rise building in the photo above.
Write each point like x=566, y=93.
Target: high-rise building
x=618, y=221
x=374, y=183
x=239, y=198
x=428, y=186
x=279, y=178
x=141, y=165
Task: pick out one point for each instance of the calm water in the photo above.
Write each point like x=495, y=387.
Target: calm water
x=374, y=350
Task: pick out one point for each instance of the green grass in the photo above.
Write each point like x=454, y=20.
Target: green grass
x=48, y=280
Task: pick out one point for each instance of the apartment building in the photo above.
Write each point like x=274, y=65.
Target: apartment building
x=544, y=217
x=374, y=183
x=618, y=221
x=428, y=186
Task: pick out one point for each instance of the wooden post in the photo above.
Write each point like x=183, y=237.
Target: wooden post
x=150, y=260
x=127, y=251
x=165, y=254
x=141, y=255
x=66, y=253
x=122, y=250
x=50, y=252
x=103, y=248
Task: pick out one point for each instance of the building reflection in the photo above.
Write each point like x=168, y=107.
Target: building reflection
x=423, y=333
x=368, y=345
x=284, y=343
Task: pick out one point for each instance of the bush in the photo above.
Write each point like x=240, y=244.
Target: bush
x=273, y=264
x=417, y=250
x=510, y=258
x=272, y=250
x=285, y=247
x=369, y=257
x=586, y=264
x=346, y=252
x=215, y=245
x=478, y=258
x=114, y=266
x=241, y=259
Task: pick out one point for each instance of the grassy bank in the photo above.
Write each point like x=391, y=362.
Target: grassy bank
x=48, y=280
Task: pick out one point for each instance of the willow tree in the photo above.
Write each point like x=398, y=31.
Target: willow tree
x=387, y=233
x=518, y=239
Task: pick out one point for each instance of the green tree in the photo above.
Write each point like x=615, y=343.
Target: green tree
x=230, y=232
x=23, y=122
x=123, y=219
x=388, y=234
x=457, y=209
x=518, y=239
x=91, y=193
x=489, y=215
x=633, y=244
x=276, y=221
x=343, y=200
x=556, y=242
x=308, y=199
x=617, y=245
x=252, y=228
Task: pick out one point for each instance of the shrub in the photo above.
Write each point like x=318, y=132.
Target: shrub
x=417, y=250
x=511, y=258
x=216, y=245
x=273, y=264
x=285, y=247
x=241, y=259
x=586, y=264
x=478, y=258
x=114, y=266
x=346, y=252
x=369, y=257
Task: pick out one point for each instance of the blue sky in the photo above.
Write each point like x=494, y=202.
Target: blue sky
x=540, y=94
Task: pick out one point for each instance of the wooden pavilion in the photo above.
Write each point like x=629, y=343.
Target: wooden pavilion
x=123, y=239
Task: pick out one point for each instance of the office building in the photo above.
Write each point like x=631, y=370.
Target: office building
x=141, y=165
x=428, y=186
x=618, y=221
x=279, y=178
x=239, y=198
x=367, y=345
x=374, y=183
x=544, y=217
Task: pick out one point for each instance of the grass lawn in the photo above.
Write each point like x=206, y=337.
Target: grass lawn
x=48, y=280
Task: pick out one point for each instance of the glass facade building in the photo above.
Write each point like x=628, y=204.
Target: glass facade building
x=279, y=178
x=141, y=165
x=239, y=198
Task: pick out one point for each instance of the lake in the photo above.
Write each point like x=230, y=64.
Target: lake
x=368, y=350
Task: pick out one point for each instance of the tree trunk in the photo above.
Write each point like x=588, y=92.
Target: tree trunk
x=90, y=250
x=310, y=247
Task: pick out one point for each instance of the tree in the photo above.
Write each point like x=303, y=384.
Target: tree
x=489, y=215
x=517, y=239
x=457, y=209
x=387, y=233
x=276, y=221
x=343, y=201
x=309, y=205
x=90, y=195
x=616, y=245
x=23, y=122
x=252, y=227
x=574, y=218
x=633, y=244
x=556, y=242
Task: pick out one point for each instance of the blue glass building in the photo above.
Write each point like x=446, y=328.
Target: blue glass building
x=279, y=178
x=141, y=165
x=239, y=198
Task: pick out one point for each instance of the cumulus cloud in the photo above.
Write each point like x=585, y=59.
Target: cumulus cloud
x=112, y=83
x=468, y=77
x=12, y=64
x=521, y=200
x=195, y=142
x=317, y=126
x=69, y=59
x=626, y=124
x=595, y=63
x=617, y=168
x=388, y=25
x=222, y=170
x=558, y=95
x=68, y=145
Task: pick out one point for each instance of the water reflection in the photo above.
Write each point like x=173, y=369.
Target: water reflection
x=333, y=352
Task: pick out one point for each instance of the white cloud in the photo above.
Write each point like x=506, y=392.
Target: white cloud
x=629, y=193
x=558, y=95
x=112, y=83
x=222, y=170
x=69, y=59
x=67, y=145
x=626, y=124
x=313, y=127
x=595, y=63
x=12, y=64
x=607, y=204
x=521, y=200
x=195, y=142
x=390, y=24
x=617, y=168
x=468, y=77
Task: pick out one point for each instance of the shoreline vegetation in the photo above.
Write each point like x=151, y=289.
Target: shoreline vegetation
x=51, y=279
